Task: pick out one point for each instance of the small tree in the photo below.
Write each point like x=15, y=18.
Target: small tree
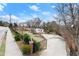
x=1, y=23
x=26, y=38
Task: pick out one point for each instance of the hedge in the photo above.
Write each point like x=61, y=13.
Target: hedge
x=26, y=49
x=26, y=38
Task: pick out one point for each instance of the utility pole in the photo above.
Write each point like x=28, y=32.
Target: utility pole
x=10, y=18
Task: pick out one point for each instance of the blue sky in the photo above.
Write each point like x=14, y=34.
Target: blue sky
x=26, y=11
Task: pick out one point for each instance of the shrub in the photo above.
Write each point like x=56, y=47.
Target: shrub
x=18, y=37
x=26, y=38
x=26, y=49
x=36, y=46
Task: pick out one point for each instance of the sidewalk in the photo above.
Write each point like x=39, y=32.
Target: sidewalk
x=12, y=48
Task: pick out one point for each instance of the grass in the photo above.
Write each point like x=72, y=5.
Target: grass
x=2, y=48
x=36, y=37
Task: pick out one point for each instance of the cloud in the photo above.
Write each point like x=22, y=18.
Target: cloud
x=34, y=15
x=48, y=16
x=53, y=6
x=2, y=6
x=7, y=18
x=54, y=15
x=34, y=7
x=15, y=18
x=4, y=16
x=46, y=13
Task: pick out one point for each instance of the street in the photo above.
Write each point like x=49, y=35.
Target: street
x=11, y=47
x=2, y=33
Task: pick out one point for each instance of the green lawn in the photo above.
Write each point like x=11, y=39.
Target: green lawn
x=36, y=37
x=2, y=48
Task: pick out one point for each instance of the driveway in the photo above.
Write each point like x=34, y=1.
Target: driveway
x=55, y=46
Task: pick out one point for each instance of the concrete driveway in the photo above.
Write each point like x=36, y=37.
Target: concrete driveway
x=55, y=46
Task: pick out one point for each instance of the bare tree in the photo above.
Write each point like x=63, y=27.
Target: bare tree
x=34, y=23
x=68, y=14
x=50, y=27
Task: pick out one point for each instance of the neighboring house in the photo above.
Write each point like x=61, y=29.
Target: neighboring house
x=23, y=26
x=37, y=30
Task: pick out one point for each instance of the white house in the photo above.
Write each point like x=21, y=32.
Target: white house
x=37, y=30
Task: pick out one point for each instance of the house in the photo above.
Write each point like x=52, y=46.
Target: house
x=37, y=30
x=23, y=26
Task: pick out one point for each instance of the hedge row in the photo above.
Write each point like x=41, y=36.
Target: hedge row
x=26, y=48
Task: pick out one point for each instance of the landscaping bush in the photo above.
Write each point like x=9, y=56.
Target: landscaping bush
x=26, y=49
x=26, y=38
x=18, y=37
x=36, y=46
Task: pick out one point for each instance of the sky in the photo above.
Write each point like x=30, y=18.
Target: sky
x=21, y=12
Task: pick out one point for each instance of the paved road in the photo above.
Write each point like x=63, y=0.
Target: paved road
x=2, y=33
x=11, y=48
x=55, y=46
